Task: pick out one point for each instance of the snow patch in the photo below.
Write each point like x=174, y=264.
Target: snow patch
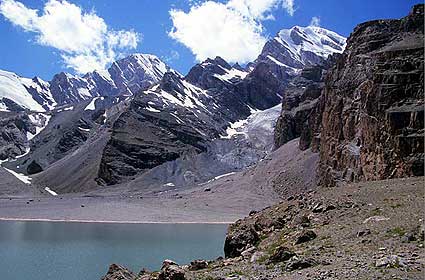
x=232, y=74
x=21, y=177
x=153, y=110
x=233, y=129
x=40, y=121
x=92, y=104
x=12, y=88
x=47, y=189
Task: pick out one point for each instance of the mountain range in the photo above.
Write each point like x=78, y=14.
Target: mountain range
x=113, y=126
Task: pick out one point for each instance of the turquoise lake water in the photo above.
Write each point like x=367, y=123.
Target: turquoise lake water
x=84, y=251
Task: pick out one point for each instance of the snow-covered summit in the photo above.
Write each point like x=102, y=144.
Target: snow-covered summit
x=298, y=47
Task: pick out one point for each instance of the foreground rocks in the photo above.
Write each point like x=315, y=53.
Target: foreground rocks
x=347, y=242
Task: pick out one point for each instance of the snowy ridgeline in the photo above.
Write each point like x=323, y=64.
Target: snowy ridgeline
x=128, y=75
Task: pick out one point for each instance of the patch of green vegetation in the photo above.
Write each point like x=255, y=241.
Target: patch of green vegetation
x=397, y=231
x=395, y=206
x=263, y=259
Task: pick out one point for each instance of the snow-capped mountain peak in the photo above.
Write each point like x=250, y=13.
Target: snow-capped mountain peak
x=297, y=47
x=313, y=39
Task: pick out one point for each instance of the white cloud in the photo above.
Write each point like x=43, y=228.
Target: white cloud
x=289, y=6
x=315, y=21
x=84, y=40
x=232, y=30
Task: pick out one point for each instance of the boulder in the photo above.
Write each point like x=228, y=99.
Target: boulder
x=198, y=265
x=281, y=254
x=171, y=271
x=299, y=263
x=117, y=272
x=305, y=236
x=239, y=238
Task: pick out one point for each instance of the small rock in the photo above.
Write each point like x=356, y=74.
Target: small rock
x=281, y=254
x=296, y=263
x=166, y=263
x=375, y=219
x=392, y=261
x=253, y=212
x=302, y=220
x=256, y=257
x=198, y=265
x=364, y=232
x=118, y=272
x=207, y=190
x=248, y=252
x=306, y=236
x=171, y=271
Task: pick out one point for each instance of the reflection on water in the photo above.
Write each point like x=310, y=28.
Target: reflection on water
x=52, y=251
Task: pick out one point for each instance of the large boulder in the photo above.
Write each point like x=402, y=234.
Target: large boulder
x=171, y=271
x=239, y=238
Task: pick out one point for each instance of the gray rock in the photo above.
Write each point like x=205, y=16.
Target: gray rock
x=305, y=236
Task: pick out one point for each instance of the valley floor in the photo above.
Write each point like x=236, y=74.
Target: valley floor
x=222, y=200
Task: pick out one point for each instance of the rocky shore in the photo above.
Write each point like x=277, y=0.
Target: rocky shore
x=372, y=230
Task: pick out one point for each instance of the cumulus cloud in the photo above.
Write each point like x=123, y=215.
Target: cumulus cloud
x=232, y=30
x=84, y=40
x=315, y=21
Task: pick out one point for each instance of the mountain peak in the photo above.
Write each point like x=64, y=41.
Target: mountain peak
x=298, y=47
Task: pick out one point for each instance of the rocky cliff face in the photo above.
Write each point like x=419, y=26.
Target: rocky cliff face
x=368, y=119
x=373, y=118
x=13, y=129
x=301, y=104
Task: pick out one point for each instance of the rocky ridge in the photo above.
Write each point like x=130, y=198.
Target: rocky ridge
x=367, y=121
x=126, y=76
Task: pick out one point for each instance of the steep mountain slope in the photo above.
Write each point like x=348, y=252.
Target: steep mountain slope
x=181, y=116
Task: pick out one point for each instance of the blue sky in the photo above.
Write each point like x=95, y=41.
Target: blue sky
x=23, y=52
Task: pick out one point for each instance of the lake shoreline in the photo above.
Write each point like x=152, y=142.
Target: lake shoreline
x=108, y=222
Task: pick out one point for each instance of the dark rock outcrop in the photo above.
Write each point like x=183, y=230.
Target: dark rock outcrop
x=171, y=271
x=373, y=116
x=13, y=130
x=239, y=238
x=300, y=108
x=281, y=254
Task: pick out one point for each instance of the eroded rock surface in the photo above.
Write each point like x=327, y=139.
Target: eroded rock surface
x=373, y=118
